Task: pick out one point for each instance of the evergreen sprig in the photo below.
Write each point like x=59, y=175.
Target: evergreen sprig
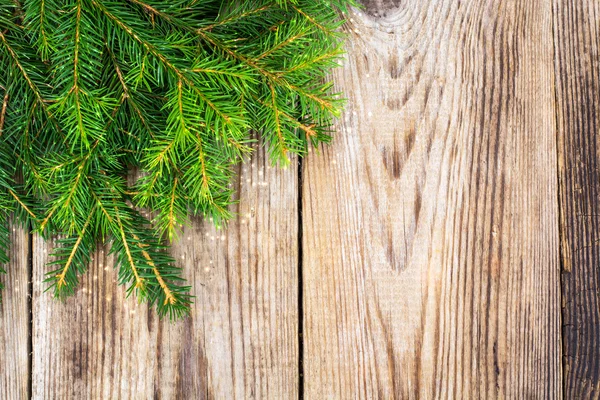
x=92, y=89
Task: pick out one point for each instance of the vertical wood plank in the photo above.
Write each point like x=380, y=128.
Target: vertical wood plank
x=240, y=340
x=430, y=228
x=14, y=319
x=577, y=61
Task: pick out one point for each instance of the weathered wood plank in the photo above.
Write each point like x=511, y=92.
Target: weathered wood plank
x=577, y=61
x=430, y=233
x=240, y=341
x=14, y=320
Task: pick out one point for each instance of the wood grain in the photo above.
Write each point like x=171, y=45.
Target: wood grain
x=14, y=320
x=430, y=228
x=241, y=339
x=577, y=61
x=464, y=173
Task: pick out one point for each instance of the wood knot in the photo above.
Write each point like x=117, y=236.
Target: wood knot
x=380, y=8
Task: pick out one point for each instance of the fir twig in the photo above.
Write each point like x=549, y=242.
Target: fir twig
x=91, y=89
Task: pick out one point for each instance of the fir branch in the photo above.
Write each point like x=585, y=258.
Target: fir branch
x=92, y=89
x=313, y=21
x=4, y=247
x=64, y=278
x=172, y=224
x=170, y=298
x=44, y=46
x=76, y=89
x=275, y=109
x=25, y=74
x=181, y=75
x=139, y=283
x=233, y=18
x=23, y=205
x=128, y=94
x=3, y=112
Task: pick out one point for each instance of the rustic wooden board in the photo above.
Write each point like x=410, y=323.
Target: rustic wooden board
x=14, y=320
x=577, y=61
x=430, y=228
x=241, y=340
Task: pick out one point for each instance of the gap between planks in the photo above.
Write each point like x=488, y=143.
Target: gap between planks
x=300, y=288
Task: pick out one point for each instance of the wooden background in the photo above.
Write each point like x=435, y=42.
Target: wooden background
x=444, y=246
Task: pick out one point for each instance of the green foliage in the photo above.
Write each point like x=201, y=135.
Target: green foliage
x=91, y=89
